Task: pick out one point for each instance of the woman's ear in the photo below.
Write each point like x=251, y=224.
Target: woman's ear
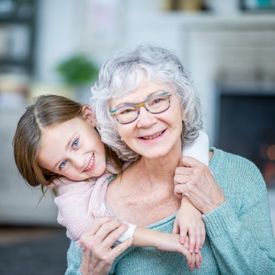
x=88, y=115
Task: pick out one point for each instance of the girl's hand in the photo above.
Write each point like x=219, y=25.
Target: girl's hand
x=189, y=223
x=195, y=181
x=171, y=242
x=195, y=257
x=98, y=250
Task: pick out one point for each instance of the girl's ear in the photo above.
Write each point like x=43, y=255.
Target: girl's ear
x=88, y=115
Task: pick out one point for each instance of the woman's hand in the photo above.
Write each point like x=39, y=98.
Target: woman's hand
x=189, y=223
x=98, y=250
x=194, y=180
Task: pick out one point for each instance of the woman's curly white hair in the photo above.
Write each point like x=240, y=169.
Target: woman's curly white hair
x=123, y=73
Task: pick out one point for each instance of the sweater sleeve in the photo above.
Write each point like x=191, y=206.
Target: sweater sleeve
x=74, y=256
x=242, y=241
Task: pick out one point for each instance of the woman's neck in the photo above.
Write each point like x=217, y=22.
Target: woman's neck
x=159, y=170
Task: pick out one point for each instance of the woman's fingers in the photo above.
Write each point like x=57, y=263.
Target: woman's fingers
x=106, y=229
x=181, y=189
x=98, y=250
x=98, y=223
x=84, y=268
x=86, y=238
x=181, y=179
x=190, y=162
x=120, y=248
x=114, y=235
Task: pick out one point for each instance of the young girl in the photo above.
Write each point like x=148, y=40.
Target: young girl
x=56, y=145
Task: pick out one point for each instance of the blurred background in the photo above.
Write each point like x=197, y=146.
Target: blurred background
x=49, y=47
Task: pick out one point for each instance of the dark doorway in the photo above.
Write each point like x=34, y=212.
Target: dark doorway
x=247, y=127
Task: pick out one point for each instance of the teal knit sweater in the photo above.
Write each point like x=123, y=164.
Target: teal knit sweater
x=239, y=232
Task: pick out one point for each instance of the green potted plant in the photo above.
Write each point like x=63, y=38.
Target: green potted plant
x=79, y=72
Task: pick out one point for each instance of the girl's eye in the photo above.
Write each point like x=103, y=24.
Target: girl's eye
x=75, y=143
x=62, y=165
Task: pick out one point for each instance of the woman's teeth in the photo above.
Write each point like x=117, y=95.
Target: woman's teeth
x=153, y=136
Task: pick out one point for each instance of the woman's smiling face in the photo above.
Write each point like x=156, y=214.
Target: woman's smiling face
x=151, y=135
x=72, y=149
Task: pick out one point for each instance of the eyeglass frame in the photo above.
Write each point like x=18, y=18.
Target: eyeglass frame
x=142, y=104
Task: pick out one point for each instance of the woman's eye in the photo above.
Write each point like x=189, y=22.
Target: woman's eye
x=157, y=100
x=62, y=165
x=75, y=143
x=126, y=111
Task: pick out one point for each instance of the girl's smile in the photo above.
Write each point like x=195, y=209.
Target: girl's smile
x=72, y=149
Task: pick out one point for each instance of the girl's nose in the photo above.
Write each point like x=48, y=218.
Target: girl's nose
x=78, y=161
x=145, y=118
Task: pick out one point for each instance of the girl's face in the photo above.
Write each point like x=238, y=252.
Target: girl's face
x=150, y=135
x=72, y=149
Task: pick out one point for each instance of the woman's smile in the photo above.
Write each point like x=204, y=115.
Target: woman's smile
x=153, y=137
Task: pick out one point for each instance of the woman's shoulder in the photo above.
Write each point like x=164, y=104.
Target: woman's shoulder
x=230, y=160
x=233, y=169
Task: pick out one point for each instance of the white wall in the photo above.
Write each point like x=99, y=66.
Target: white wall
x=58, y=34
x=100, y=27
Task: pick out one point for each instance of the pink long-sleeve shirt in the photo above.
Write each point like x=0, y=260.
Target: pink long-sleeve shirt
x=79, y=203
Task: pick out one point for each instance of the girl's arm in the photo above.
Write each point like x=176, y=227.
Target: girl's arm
x=72, y=201
x=145, y=237
x=189, y=223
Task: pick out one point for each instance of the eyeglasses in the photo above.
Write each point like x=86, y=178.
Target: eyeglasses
x=156, y=103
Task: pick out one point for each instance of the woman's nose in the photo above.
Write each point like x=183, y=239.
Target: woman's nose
x=145, y=118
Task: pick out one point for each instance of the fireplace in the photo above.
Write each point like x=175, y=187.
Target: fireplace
x=246, y=126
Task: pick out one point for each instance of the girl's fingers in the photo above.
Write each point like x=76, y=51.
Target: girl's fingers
x=203, y=234
x=198, y=260
x=192, y=239
x=192, y=261
x=198, y=243
x=183, y=233
x=175, y=228
x=188, y=256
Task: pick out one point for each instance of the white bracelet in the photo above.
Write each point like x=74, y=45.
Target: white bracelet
x=129, y=233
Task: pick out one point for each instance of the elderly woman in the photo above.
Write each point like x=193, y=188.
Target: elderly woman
x=147, y=112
